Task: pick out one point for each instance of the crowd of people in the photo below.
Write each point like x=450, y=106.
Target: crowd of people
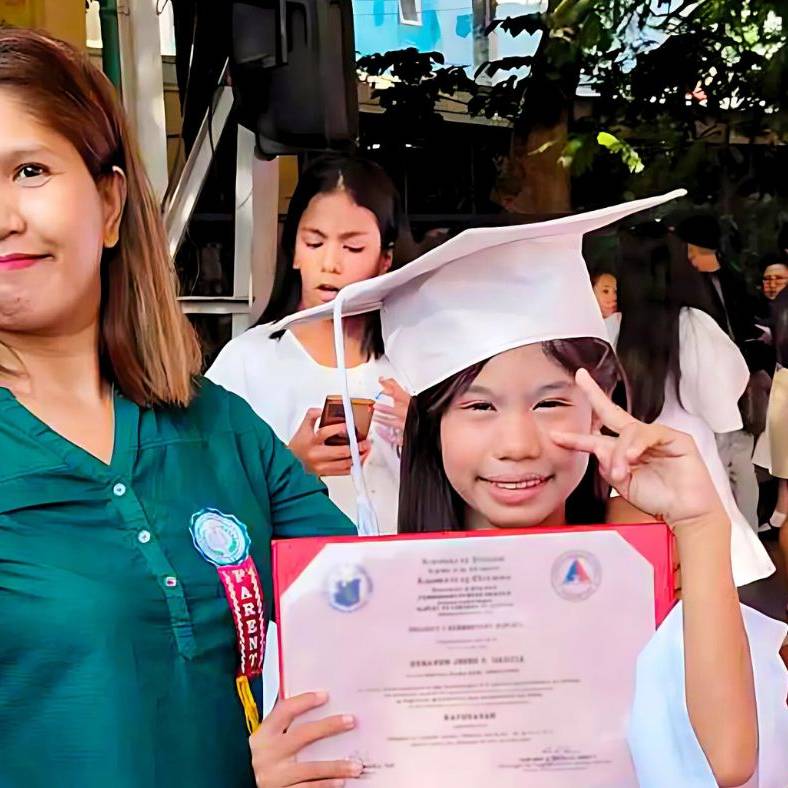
x=678, y=307
x=497, y=401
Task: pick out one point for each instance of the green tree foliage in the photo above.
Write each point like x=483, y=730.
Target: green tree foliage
x=684, y=92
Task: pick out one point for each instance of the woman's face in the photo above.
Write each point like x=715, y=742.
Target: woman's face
x=775, y=277
x=496, y=446
x=54, y=223
x=337, y=243
x=606, y=291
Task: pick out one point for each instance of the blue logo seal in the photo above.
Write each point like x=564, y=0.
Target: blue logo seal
x=220, y=538
x=576, y=575
x=348, y=588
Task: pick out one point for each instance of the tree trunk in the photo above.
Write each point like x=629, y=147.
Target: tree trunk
x=537, y=182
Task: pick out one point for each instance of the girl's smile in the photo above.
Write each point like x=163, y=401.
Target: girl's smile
x=516, y=490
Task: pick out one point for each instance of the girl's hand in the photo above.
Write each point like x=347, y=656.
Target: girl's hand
x=310, y=447
x=393, y=416
x=277, y=741
x=657, y=469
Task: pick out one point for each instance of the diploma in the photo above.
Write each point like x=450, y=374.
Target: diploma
x=468, y=660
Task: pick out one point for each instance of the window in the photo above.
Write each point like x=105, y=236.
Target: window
x=410, y=12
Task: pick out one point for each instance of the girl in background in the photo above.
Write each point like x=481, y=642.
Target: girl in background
x=605, y=287
x=683, y=370
x=341, y=227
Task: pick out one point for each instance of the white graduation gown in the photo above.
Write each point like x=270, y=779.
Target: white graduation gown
x=713, y=378
x=664, y=747
x=281, y=381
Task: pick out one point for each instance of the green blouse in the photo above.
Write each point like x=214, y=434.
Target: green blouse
x=117, y=647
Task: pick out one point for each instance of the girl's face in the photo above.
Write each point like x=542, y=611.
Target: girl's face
x=337, y=243
x=54, y=223
x=606, y=291
x=496, y=446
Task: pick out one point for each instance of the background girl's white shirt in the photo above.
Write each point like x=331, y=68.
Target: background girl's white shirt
x=281, y=381
x=714, y=375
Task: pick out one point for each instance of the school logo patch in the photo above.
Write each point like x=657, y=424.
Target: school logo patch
x=576, y=575
x=348, y=588
x=221, y=539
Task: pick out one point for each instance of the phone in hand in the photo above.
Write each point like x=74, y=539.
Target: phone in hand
x=334, y=413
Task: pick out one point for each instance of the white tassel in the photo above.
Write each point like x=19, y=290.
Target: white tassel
x=367, y=520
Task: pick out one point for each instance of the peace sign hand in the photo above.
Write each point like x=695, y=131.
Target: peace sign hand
x=655, y=468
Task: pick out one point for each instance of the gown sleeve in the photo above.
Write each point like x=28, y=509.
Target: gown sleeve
x=229, y=368
x=714, y=373
x=663, y=744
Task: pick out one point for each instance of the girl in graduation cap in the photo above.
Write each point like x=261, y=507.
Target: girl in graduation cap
x=499, y=338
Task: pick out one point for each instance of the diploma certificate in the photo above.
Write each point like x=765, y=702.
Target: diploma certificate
x=475, y=660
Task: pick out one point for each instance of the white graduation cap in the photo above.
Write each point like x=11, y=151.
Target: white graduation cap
x=485, y=291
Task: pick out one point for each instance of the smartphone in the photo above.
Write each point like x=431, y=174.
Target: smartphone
x=334, y=413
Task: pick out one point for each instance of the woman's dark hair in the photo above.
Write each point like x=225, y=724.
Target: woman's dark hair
x=369, y=187
x=428, y=502
x=773, y=258
x=655, y=282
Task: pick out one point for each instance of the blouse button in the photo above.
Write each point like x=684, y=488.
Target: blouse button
x=119, y=490
x=143, y=537
x=170, y=581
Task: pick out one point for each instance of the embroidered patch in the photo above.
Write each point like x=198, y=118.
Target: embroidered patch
x=220, y=538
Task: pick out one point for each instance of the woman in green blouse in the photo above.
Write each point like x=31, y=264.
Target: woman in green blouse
x=125, y=479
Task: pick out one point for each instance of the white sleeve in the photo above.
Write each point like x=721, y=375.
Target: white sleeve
x=714, y=373
x=229, y=368
x=663, y=744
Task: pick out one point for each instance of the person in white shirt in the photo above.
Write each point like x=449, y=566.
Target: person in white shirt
x=729, y=302
x=343, y=221
x=683, y=369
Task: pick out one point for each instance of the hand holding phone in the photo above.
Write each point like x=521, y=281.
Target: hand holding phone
x=334, y=413
x=309, y=445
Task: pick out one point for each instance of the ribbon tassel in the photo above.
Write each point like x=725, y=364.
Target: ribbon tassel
x=251, y=711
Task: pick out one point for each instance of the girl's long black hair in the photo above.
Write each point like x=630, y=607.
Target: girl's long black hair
x=655, y=282
x=428, y=502
x=370, y=188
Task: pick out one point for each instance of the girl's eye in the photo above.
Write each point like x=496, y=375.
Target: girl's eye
x=314, y=244
x=552, y=403
x=28, y=171
x=478, y=406
x=355, y=249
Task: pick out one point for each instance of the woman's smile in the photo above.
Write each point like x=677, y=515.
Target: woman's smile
x=16, y=262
